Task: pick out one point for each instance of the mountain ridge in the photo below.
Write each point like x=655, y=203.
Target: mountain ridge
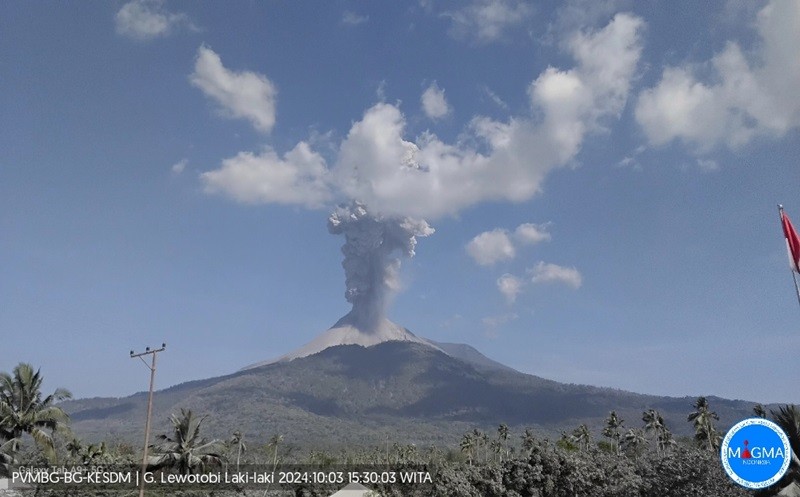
x=349, y=394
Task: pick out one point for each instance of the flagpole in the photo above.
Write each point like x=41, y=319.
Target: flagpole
x=794, y=276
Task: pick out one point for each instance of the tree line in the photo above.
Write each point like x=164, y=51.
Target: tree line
x=635, y=461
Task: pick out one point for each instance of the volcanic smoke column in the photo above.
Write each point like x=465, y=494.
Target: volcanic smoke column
x=370, y=263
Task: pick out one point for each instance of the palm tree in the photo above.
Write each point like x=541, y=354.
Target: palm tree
x=74, y=447
x=7, y=450
x=582, y=436
x=759, y=411
x=654, y=423
x=479, y=438
x=467, y=445
x=238, y=440
x=528, y=441
x=788, y=418
x=274, y=442
x=485, y=443
x=635, y=439
x=703, y=418
x=95, y=453
x=502, y=436
x=22, y=409
x=185, y=450
x=612, y=430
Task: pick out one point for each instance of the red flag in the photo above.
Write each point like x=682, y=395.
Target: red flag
x=792, y=242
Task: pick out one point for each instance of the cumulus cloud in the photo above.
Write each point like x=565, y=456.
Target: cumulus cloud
x=490, y=247
x=531, y=234
x=245, y=95
x=499, y=244
x=179, y=166
x=510, y=286
x=746, y=95
x=147, y=19
x=484, y=21
x=299, y=177
x=433, y=102
x=545, y=272
x=425, y=177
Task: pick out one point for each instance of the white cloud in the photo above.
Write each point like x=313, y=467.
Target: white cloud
x=245, y=95
x=552, y=273
x=745, y=97
x=490, y=247
x=498, y=244
x=424, y=176
x=147, y=19
x=299, y=177
x=427, y=177
x=510, y=286
x=484, y=21
x=352, y=19
x=532, y=234
x=433, y=102
x=179, y=166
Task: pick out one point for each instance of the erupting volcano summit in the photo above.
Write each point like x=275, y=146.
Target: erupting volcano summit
x=371, y=265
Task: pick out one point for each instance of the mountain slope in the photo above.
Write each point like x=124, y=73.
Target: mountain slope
x=356, y=395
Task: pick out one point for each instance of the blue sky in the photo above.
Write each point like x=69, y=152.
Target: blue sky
x=602, y=178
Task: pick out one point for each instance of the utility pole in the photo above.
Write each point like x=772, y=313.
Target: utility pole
x=152, y=368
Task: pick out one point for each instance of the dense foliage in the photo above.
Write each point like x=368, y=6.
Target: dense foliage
x=617, y=461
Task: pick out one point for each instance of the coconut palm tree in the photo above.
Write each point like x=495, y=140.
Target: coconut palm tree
x=703, y=418
x=74, y=447
x=654, y=423
x=22, y=409
x=7, y=450
x=479, y=440
x=759, y=411
x=185, y=450
x=528, y=441
x=582, y=437
x=502, y=437
x=237, y=440
x=274, y=442
x=788, y=418
x=635, y=439
x=612, y=430
x=467, y=445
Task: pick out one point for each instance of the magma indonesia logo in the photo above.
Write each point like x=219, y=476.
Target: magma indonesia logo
x=756, y=453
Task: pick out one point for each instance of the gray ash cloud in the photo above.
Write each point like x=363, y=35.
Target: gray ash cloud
x=372, y=245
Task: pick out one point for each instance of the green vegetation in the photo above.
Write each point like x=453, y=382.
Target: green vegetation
x=185, y=450
x=703, y=418
x=23, y=411
x=615, y=460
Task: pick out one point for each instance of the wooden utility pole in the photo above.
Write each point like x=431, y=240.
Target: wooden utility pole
x=152, y=368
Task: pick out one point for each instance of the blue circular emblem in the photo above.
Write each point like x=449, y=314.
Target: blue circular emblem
x=756, y=453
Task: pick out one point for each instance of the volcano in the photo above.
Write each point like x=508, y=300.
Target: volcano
x=352, y=387
x=350, y=330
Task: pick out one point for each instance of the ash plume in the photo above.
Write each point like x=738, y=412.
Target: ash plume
x=372, y=243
